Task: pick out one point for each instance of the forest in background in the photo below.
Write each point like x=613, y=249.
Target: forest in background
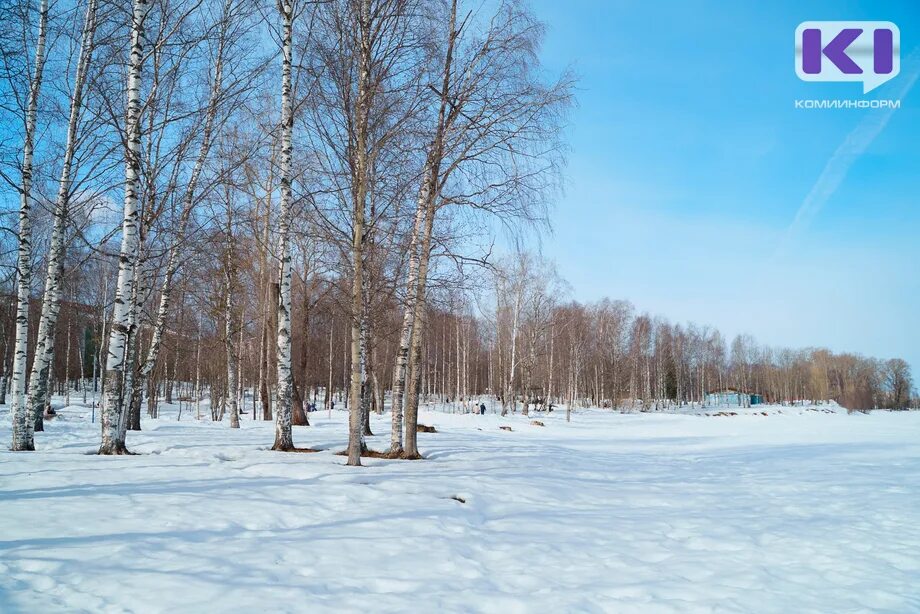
x=214, y=197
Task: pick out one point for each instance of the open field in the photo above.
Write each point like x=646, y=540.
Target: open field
x=799, y=511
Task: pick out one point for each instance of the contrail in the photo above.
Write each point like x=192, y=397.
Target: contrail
x=853, y=146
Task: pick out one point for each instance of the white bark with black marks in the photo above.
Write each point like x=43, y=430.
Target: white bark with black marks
x=229, y=326
x=114, y=399
x=51, y=301
x=359, y=195
x=284, y=439
x=22, y=430
x=430, y=192
x=402, y=353
x=512, y=363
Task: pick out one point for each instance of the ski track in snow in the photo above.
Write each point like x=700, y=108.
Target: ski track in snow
x=792, y=512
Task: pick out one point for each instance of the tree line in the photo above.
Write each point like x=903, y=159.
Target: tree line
x=261, y=202
x=178, y=167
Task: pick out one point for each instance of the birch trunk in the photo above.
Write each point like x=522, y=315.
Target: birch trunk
x=366, y=370
x=458, y=396
x=67, y=363
x=359, y=194
x=549, y=385
x=229, y=274
x=410, y=451
x=240, y=382
x=410, y=447
x=22, y=430
x=402, y=354
x=267, y=299
x=131, y=416
x=51, y=302
x=198, y=372
x=98, y=372
x=430, y=191
x=300, y=407
x=283, y=431
x=378, y=391
x=263, y=359
x=328, y=399
x=509, y=388
x=5, y=378
x=113, y=441
x=271, y=317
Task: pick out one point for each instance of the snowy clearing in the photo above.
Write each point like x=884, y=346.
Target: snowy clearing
x=799, y=511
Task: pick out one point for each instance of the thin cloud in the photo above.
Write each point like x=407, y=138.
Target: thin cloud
x=853, y=146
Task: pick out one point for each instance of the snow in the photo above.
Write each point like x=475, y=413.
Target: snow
x=798, y=510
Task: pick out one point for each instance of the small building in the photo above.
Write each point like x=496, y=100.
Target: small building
x=729, y=397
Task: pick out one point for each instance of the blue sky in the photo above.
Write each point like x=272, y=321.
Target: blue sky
x=689, y=164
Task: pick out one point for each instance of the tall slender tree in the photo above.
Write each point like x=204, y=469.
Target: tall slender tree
x=232, y=396
x=494, y=144
x=22, y=430
x=122, y=331
x=51, y=300
x=284, y=440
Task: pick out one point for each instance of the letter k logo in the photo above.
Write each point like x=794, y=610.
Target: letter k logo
x=868, y=52
x=835, y=51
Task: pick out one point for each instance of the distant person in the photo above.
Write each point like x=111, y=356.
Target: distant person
x=331, y=404
x=482, y=409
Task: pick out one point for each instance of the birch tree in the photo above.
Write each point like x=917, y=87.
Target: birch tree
x=494, y=144
x=284, y=440
x=22, y=430
x=367, y=60
x=514, y=285
x=51, y=301
x=362, y=114
x=405, y=335
x=420, y=250
x=114, y=405
x=230, y=321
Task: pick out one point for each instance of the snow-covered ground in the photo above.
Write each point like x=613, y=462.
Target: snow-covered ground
x=790, y=512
